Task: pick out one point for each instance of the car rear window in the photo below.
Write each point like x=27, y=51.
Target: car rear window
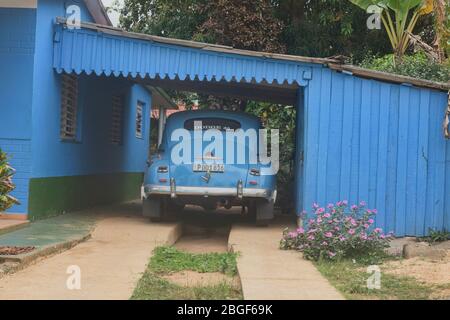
x=213, y=123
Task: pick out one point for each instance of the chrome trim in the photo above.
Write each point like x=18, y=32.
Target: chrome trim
x=173, y=188
x=207, y=191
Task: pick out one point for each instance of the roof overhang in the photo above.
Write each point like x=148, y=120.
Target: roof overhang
x=98, y=12
x=146, y=57
x=160, y=98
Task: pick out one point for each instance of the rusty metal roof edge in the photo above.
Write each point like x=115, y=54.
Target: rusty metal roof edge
x=333, y=64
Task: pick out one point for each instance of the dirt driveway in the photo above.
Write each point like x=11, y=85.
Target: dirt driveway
x=110, y=263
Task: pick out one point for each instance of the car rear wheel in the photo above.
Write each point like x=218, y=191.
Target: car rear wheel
x=153, y=208
x=261, y=212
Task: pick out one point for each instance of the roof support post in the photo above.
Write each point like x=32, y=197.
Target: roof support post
x=161, y=124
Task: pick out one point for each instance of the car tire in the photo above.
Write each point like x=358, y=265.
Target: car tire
x=153, y=208
x=172, y=209
x=262, y=213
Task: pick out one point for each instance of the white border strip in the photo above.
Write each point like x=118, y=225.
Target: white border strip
x=31, y=4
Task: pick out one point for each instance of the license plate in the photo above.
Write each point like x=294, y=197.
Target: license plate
x=202, y=167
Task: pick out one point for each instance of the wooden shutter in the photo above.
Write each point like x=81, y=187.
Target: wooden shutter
x=69, y=106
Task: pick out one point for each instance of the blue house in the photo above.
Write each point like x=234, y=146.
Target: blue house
x=75, y=141
x=74, y=116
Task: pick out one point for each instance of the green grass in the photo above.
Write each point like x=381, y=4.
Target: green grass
x=167, y=260
x=350, y=279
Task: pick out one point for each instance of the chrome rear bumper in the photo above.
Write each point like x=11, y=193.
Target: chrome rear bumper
x=238, y=192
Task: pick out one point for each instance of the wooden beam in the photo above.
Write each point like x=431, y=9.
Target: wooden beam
x=262, y=93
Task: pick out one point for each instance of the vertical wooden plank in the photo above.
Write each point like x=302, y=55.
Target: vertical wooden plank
x=422, y=162
x=412, y=159
x=402, y=159
x=312, y=120
x=392, y=158
x=335, y=138
x=439, y=168
x=382, y=161
x=374, y=140
x=347, y=137
x=323, y=126
x=300, y=143
x=354, y=172
x=364, y=144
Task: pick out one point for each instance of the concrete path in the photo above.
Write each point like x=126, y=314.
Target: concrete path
x=111, y=262
x=267, y=272
x=11, y=225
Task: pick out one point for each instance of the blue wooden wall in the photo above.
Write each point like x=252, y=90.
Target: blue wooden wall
x=381, y=143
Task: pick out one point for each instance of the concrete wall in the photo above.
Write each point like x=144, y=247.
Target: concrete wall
x=17, y=45
x=381, y=143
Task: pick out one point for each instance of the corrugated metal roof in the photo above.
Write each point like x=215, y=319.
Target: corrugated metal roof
x=107, y=50
x=94, y=49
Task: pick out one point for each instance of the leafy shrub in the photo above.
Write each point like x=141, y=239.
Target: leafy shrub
x=417, y=66
x=438, y=236
x=339, y=232
x=6, y=185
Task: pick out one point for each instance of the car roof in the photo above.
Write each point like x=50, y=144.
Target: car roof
x=192, y=114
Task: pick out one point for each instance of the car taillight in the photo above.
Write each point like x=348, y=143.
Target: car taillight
x=163, y=169
x=255, y=172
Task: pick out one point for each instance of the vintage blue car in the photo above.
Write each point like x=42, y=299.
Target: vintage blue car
x=187, y=170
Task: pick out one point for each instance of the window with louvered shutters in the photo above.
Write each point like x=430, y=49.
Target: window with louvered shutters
x=139, y=119
x=69, y=95
x=117, y=120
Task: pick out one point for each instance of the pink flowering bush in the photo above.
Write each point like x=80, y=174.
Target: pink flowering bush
x=339, y=232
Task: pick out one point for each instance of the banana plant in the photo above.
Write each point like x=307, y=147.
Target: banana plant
x=399, y=18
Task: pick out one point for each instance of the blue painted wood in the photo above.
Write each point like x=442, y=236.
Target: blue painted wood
x=363, y=139
x=382, y=143
x=83, y=50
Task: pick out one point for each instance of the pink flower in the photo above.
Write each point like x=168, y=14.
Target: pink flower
x=328, y=234
x=292, y=234
x=327, y=215
x=337, y=228
x=351, y=231
x=345, y=202
x=362, y=203
x=342, y=238
x=311, y=237
x=324, y=243
x=331, y=254
x=319, y=220
x=315, y=206
x=378, y=230
x=366, y=226
x=354, y=207
x=353, y=222
x=371, y=221
x=320, y=210
x=301, y=230
x=374, y=211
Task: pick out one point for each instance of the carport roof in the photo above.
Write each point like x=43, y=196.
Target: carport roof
x=108, y=50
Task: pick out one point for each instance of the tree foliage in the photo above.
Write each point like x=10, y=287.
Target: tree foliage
x=6, y=185
x=324, y=28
